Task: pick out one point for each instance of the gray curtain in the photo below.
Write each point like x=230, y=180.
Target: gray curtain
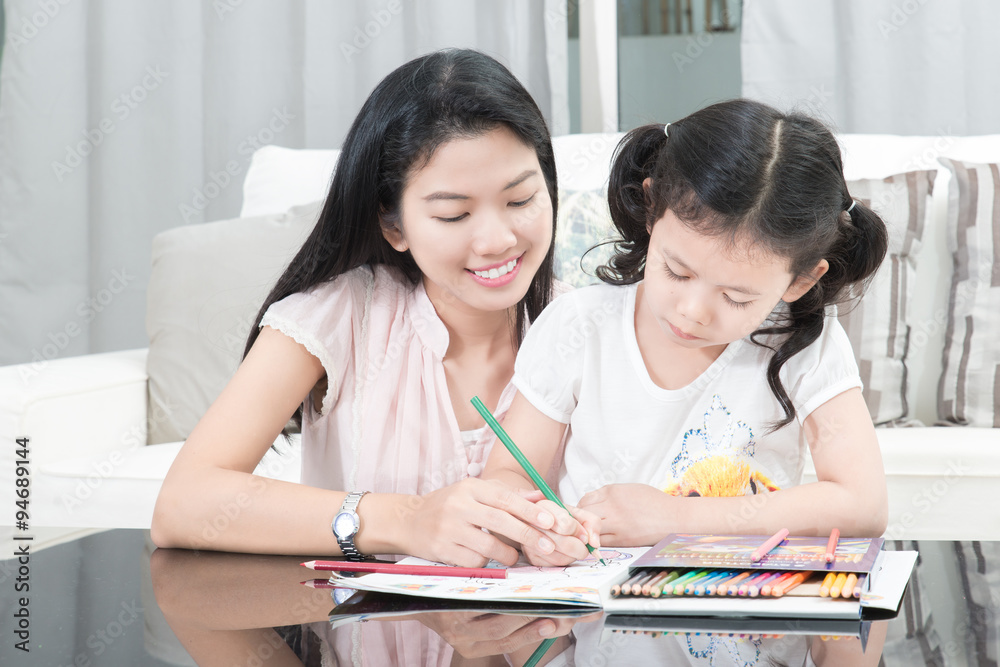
x=877, y=66
x=120, y=119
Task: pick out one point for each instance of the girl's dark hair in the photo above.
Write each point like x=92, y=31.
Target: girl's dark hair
x=747, y=172
x=445, y=95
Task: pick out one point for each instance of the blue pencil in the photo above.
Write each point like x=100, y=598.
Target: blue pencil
x=709, y=587
x=679, y=581
x=688, y=586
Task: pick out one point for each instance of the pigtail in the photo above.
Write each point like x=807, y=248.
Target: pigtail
x=634, y=160
x=854, y=258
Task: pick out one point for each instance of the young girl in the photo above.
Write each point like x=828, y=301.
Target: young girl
x=694, y=380
x=432, y=254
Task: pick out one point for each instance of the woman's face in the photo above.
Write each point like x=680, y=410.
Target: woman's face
x=477, y=219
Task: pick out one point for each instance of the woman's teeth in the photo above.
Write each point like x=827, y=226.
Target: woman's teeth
x=498, y=271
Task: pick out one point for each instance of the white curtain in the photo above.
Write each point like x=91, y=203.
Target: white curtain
x=878, y=66
x=121, y=119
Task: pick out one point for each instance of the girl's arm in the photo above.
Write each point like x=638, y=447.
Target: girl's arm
x=849, y=494
x=211, y=499
x=538, y=437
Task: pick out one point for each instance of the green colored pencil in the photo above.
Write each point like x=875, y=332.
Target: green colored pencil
x=540, y=651
x=522, y=460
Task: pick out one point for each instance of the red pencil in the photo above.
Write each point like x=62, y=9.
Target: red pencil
x=398, y=568
x=771, y=543
x=831, y=545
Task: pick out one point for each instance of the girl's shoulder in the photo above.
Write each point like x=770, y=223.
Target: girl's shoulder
x=584, y=302
x=590, y=295
x=831, y=351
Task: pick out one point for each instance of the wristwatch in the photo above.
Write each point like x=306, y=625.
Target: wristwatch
x=346, y=524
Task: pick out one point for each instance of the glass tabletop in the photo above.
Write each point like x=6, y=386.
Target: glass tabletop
x=89, y=598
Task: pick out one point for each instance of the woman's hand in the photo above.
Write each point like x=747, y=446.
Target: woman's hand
x=450, y=525
x=622, y=525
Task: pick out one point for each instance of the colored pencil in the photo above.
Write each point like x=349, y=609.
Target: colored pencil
x=694, y=581
x=766, y=589
x=537, y=654
x=319, y=583
x=848, y=589
x=831, y=545
x=385, y=567
x=524, y=462
x=648, y=586
x=788, y=584
x=621, y=588
x=701, y=582
x=838, y=584
x=636, y=586
x=657, y=590
x=824, y=588
x=858, y=587
x=708, y=585
x=744, y=587
x=729, y=587
x=680, y=582
x=769, y=544
x=756, y=589
x=681, y=588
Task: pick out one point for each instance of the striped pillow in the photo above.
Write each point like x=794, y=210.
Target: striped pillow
x=969, y=390
x=879, y=325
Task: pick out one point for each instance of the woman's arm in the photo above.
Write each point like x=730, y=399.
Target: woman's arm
x=849, y=494
x=211, y=499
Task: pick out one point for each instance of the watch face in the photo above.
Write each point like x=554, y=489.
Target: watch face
x=345, y=524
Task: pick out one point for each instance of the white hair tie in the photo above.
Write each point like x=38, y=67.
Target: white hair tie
x=851, y=207
x=665, y=129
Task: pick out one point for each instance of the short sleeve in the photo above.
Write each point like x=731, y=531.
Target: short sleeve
x=547, y=369
x=821, y=371
x=326, y=320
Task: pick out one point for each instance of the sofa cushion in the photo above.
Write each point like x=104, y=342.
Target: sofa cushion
x=969, y=390
x=280, y=178
x=206, y=285
x=879, y=325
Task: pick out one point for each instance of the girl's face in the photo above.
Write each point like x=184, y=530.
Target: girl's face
x=703, y=293
x=477, y=219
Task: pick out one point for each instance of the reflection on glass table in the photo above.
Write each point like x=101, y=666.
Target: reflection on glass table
x=108, y=598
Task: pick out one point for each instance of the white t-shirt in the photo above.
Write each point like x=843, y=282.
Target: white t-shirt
x=580, y=365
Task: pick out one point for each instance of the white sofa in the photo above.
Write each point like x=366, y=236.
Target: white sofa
x=91, y=418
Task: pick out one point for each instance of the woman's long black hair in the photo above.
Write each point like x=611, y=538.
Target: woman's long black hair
x=445, y=95
x=745, y=171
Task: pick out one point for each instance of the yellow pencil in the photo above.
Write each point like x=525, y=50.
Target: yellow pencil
x=848, y=589
x=824, y=589
x=838, y=585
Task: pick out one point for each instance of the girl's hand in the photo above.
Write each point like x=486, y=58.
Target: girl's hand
x=450, y=525
x=622, y=523
x=570, y=533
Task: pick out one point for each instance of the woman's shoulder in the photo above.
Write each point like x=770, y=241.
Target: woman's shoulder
x=363, y=283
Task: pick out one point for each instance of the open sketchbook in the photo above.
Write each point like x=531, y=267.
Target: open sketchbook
x=584, y=583
x=588, y=584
